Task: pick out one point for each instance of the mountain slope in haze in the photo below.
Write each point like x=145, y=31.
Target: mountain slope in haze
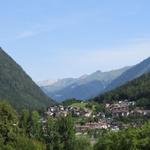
x=58, y=85
x=46, y=82
x=83, y=91
x=17, y=87
x=84, y=87
x=130, y=74
x=106, y=77
x=136, y=90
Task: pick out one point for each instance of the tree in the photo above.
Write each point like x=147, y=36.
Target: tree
x=24, y=120
x=10, y=136
x=82, y=143
x=65, y=127
x=35, y=125
x=131, y=138
x=24, y=143
x=8, y=122
x=51, y=135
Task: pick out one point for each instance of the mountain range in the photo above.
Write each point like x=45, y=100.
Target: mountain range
x=83, y=87
x=18, y=88
x=88, y=86
x=21, y=91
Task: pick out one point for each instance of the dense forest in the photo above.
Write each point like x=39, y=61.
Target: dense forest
x=28, y=131
x=137, y=90
x=128, y=139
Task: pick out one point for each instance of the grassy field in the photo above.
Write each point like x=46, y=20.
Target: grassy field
x=80, y=105
x=83, y=105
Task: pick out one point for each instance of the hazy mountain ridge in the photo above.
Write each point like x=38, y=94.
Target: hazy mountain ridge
x=132, y=73
x=83, y=91
x=17, y=87
x=60, y=84
x=46, y=82
x=93, y=84
x=97, y=83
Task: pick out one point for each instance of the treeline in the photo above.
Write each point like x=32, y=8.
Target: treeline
x=129, y=139
x=29, y=131
x=136, y=90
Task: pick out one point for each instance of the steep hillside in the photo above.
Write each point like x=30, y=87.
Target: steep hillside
x=137, y=90
x=130, y=74
x=17, y=87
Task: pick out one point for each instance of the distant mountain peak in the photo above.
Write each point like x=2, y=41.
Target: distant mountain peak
x=98, y=71
x=46, y=82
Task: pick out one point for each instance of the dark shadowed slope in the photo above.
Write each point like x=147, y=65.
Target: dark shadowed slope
x=82, y=92
x=17, y=87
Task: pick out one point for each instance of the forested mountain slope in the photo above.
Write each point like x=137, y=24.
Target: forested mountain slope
x=17, y=87
x=137, y=90
x=132, y=73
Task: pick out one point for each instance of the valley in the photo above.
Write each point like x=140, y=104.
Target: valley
x=38, y=119
x=74, y=75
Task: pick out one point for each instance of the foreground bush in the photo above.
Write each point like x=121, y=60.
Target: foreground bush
x=129, y=139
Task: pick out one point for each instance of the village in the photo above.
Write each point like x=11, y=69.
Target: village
x=108, y=119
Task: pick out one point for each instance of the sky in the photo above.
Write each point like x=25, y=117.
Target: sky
x=54, y=39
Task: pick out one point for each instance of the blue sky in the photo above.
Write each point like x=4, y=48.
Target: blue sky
x=54, y=39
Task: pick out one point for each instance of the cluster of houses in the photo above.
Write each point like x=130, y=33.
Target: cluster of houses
x=119, y=109
x=126, y=108
x=59, y=110
x=106, y=123
x=101, y=124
